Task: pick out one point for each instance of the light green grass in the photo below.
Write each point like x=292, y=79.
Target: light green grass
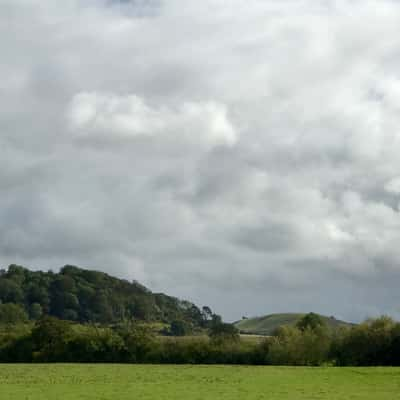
x=123, y=382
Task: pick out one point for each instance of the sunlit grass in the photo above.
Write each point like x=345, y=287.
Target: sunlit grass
x=123, y=382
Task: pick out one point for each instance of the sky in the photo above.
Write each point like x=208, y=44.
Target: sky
x=241, y=154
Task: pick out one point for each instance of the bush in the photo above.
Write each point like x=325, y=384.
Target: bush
x=96, y=345
x=139, y=342
x=293, y=346
x=50, y=338
x=374, y=342
x=221, y=332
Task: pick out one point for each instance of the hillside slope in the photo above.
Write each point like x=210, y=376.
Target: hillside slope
x=90, y=296
x=267, y=324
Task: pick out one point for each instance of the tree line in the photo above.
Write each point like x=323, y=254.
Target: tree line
x=310, y=343
x=88, y=296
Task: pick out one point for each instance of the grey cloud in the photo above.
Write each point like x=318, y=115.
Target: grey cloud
x=268, y=237
x=241, y=154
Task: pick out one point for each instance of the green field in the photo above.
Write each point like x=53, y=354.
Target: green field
x=122, y=382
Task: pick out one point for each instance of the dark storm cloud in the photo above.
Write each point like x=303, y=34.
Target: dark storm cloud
x=240, y=154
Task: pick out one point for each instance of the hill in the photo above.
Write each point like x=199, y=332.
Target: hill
x=82, y=295
x=267, y=324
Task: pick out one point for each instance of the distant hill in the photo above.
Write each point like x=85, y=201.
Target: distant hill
x=82, y=295
x=267, y=324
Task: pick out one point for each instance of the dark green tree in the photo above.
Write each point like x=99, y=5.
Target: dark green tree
x=50, y=338
x=35, y=311
x=310, y=321
x=10, y=291
x=222, y=332
x=180, y=328
x=12, y=314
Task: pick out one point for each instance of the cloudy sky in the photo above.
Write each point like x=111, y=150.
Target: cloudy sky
x=242, y=154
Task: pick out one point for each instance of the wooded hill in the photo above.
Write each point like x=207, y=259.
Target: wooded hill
x=81, y=295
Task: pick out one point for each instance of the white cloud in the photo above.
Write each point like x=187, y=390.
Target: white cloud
x=337, y=234
x=129, y=116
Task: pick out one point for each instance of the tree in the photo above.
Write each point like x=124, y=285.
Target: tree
x=16, y=273
x=139, y=341
x=35, y=311
x=220, y=331
x=101, y=307
x=310, y=321
x=50, y=338
x=194, y=315
x=91, y=296
x=96, y=344
x=394, y=354
x=12, y=314
x=10, y=291
x=206, y=314
x=36, y=292
x=179, y=328
x=293, y=346
x=143, y=308
x=216, y=319
x=62, y=292
x=367, y=344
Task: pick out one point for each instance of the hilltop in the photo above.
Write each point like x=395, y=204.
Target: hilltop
x=267, y=324
x=83, y=295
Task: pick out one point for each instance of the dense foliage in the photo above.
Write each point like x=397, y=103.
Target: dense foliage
x=78, y=315
x=80, y=295
x=376, y=342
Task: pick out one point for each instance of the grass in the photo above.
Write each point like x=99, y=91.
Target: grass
x=250, y=339
x=123, y=382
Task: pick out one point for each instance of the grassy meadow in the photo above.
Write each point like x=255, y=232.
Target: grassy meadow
x=123, y=382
